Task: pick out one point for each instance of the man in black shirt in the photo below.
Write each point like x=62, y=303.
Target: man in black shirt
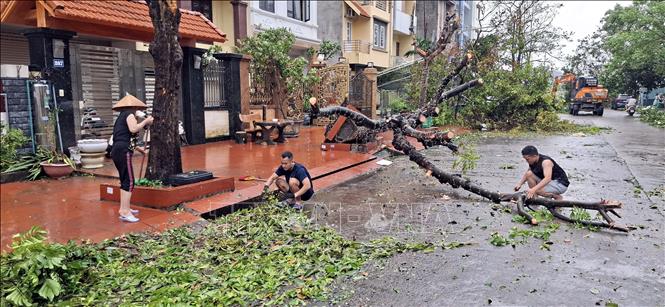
x=293, y=179
x=544, y=176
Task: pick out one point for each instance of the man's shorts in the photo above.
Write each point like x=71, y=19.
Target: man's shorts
x=304, y=197
x=554, y=187
x=307, y=195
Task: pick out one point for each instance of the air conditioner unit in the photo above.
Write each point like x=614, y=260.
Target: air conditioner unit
x=350, y=13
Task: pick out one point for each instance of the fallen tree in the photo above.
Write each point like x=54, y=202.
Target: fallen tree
x=405, y=125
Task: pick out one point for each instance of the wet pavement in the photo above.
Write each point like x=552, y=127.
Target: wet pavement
x=582, y=267
x=70, y=209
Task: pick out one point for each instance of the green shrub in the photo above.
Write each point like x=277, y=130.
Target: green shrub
x=398, y=104
x=36, y=272
x=510, y=99
x=653, y=116
x=10, y=142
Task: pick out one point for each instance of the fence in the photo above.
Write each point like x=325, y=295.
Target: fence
x=258, y=89
x=356, y=46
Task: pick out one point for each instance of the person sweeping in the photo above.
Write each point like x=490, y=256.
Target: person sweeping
x=125, y=133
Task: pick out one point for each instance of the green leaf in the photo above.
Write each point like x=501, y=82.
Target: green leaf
x=50, y=289
x=18, y=298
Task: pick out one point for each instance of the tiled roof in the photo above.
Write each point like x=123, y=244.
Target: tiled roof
x=132, y=15
x=357, y=7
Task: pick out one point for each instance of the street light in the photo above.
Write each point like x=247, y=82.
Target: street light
x=370, y=64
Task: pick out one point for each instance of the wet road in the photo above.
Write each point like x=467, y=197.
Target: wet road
x=641, y=146
x=582, y=267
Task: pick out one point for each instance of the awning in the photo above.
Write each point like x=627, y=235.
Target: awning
x=357, y=7
x=125, y=19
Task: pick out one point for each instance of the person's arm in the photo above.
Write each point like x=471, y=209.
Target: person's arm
x=306, y=185
x=134, y=126
x=521, y=182
x=547, y=173
x=270, y=180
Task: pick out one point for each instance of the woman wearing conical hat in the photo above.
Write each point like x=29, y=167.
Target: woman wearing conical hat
x=125, y=131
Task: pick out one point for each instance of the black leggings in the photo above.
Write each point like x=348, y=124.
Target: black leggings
x=122, y=158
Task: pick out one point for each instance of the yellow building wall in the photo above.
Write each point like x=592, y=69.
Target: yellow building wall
x=363, y=30
x=404, y=41
x=222, y=15
x=408, y=6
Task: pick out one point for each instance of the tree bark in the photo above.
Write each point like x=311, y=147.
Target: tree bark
x=164, y=157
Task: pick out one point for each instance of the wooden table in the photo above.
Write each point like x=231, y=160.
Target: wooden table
x=268, y=127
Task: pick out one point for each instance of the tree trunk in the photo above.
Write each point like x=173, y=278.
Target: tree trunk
x=164, y=157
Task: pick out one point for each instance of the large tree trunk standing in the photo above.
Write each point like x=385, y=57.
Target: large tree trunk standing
x=164, y=157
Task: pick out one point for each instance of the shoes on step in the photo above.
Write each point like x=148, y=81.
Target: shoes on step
x=129, y=219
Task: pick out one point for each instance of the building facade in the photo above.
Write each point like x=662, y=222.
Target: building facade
x=300, y=17
x=431, y=17
x=373, y=33
x=89, y=63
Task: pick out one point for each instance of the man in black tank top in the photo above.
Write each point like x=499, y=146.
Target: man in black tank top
x=544, y=176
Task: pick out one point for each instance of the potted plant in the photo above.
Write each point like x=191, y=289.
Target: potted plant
x=55, y=164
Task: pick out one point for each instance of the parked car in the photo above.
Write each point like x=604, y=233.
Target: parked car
x=620, y=101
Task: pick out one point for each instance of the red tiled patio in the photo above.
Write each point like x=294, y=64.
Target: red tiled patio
x=70, y=209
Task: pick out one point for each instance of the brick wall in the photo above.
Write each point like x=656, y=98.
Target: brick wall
x=17, y=107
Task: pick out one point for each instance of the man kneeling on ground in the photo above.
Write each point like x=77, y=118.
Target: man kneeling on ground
x=544, y=176
x=293, y=180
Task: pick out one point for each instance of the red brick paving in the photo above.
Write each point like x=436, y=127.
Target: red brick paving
x=70, y=209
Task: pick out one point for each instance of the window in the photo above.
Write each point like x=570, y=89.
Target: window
x=349, y=33
x=298, y=9
x=204, y=7
x=267, y=5
x=380, y=34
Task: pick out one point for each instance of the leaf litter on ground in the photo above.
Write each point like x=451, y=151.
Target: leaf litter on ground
x=264, y=255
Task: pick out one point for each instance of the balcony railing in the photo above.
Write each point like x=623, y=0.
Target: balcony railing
x=356, y=46
x=399, y=60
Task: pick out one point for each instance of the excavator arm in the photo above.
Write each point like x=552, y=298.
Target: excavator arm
x=566, y=78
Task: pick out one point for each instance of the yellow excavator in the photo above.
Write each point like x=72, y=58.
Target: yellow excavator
x=585, y=94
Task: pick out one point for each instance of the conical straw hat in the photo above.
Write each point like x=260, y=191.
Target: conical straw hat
x=130, y=101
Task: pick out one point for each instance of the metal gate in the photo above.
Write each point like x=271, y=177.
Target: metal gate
x=213, y=86
x=100, y=88
x=360, y=94
x=216, y=106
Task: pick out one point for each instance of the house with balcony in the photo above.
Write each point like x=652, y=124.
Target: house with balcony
x=368, y=36
x=404, y=28
x=298, y=16
x=431, y=17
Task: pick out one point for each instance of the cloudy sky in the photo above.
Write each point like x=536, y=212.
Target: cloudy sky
x=582, y=18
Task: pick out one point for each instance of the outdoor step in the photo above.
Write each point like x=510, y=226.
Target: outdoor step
x=333, y=172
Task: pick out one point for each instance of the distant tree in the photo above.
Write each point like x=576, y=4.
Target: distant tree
x=635, y=41
x=284, y=76
x=527, y=32
x=590, y=57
